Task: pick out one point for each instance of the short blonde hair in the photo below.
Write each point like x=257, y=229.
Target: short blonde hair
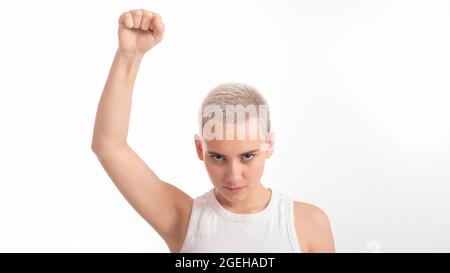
x=235, y=94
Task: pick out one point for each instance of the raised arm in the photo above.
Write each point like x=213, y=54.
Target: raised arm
x=162, y=205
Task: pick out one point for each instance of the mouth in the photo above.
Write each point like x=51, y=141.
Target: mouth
x=235, y=189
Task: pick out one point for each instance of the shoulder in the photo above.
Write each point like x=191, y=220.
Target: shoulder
x=311, y=213
x=313, y=228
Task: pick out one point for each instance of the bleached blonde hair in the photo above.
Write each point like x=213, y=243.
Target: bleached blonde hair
x=235, y=94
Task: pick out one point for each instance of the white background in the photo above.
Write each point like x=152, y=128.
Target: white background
x=359, y=93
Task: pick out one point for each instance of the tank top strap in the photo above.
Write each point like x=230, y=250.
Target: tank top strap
x=287, y=204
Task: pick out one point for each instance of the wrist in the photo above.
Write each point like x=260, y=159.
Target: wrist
x=131, y=55
x=129, y=60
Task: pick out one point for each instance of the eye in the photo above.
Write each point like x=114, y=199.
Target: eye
x=248, y=157
x=217, y=157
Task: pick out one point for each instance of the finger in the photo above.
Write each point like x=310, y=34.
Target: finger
x=157, y=26
x=146, y=20
x=126, y=19
x=137, y=18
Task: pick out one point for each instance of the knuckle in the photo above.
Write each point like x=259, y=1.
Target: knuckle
x=146, y=15
x=124, y=15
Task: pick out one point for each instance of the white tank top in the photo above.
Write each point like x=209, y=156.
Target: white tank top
x=212, y=228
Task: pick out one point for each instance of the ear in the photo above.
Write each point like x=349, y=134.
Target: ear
x=198, y=146
x=269, y=145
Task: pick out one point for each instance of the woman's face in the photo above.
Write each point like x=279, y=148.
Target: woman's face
x=235, y=166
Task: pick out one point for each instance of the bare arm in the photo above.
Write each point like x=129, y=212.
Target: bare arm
x=322, y=236
x=113, y=113
x=313, y=228
x=163, y=206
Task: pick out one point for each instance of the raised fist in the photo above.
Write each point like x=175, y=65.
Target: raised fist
x=139, y=31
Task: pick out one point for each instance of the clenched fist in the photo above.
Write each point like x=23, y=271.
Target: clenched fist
x=139, y=31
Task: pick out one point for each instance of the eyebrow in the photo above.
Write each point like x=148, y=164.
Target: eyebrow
x=248, y=152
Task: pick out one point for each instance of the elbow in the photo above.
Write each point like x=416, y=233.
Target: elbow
x=95, y=145
x=100, y=148
x=94, y=148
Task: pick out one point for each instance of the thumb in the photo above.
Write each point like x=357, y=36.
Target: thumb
x=157, y=26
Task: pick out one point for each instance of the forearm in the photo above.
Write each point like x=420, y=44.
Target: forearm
x=113, y=113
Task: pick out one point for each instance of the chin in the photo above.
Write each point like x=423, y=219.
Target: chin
x=234, y=194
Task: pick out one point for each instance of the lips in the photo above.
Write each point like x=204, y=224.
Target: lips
x=235, y=189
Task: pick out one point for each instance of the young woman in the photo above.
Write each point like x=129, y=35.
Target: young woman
x=238, y=214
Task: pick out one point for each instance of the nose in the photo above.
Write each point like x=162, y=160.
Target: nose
x=233, y=174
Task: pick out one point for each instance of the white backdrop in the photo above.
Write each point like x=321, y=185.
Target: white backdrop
x=359, y=93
